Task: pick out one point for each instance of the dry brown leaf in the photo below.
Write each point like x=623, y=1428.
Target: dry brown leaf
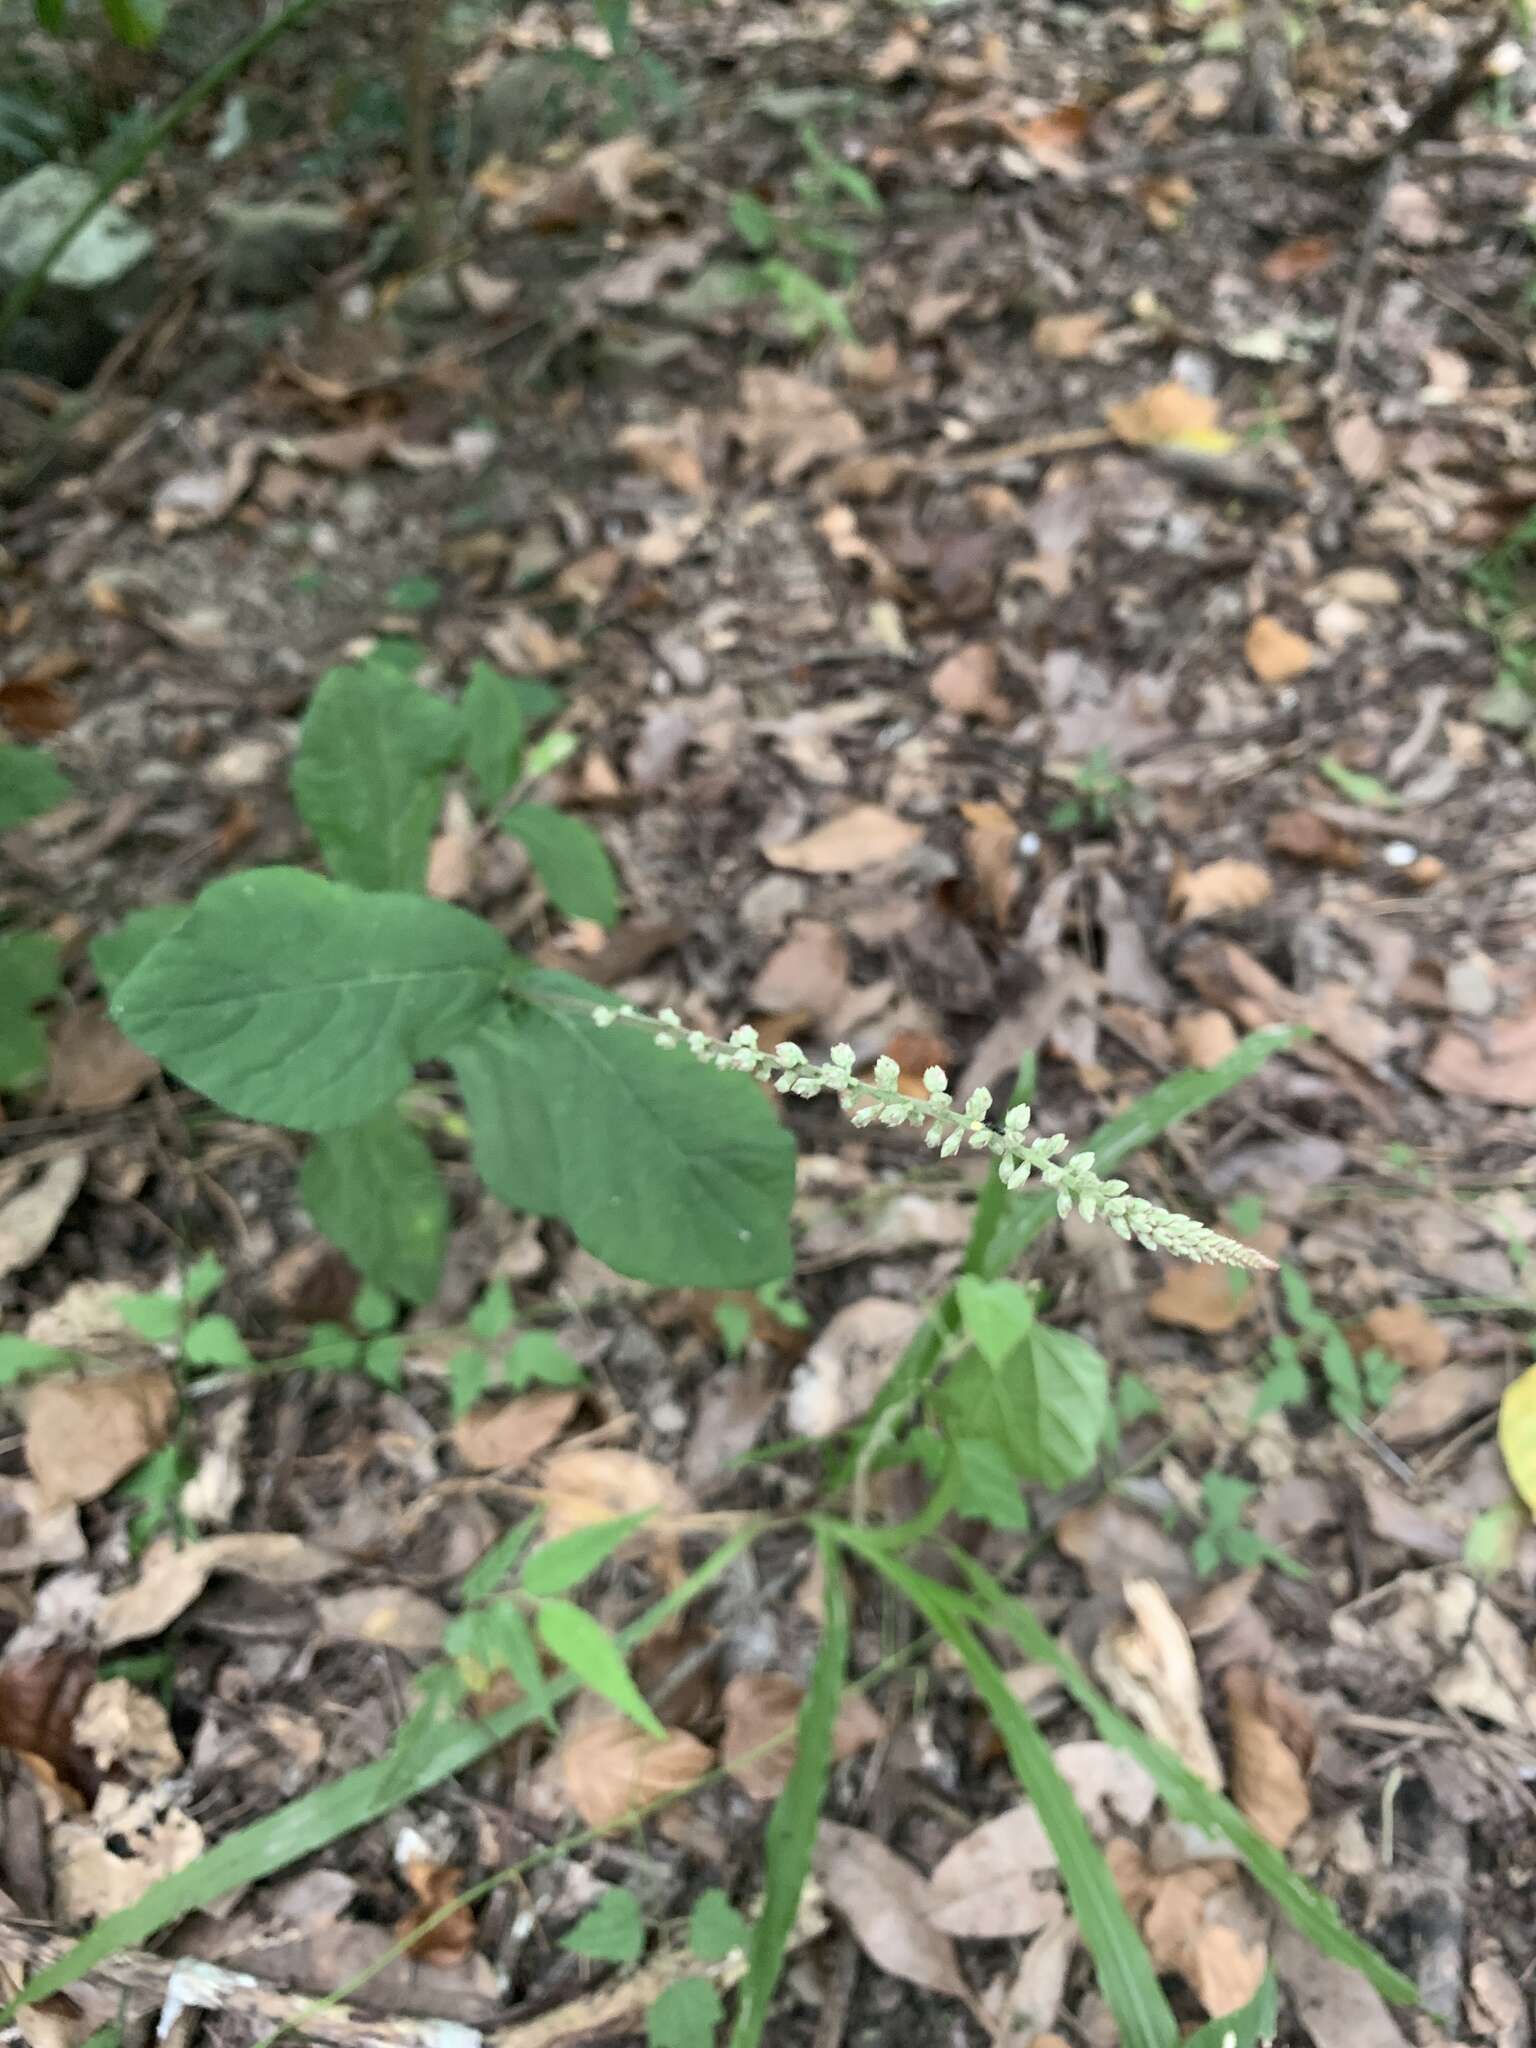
x=1148, y=1668
x=1068, y=337
x=674, y=454
x=1305, y=836
x=985, y=1888
x=1213, y=1298
x=127, y=1731
x=84, y=1434
x=170, y=1579
x=1276, y=654
x=1170, y=416
x=992, y=849
x=808, y=972
x=451, y=1939
x=849, y=1363
x=1034, y=1998
x=107, y=1863
x=40, y=1700
x=30, y=1216
x=610, y=1767
x=1448, y=1632
x=34, y=707
x=1411, y=1336
x=202, y=497
x=500, y=1439
x=1501, y=1068
x=582, y=1486
x=393, y=1616
x=1219, y=887
x=789, y=423
x=1056, y=138
x=862, y=837
x=599, y=184
x=1183, y=1931
x=931, y=312
x=1335, y=2004
x=519, y=640
x=1294, y=261
x=965, y=682
x=92, y=1065
x=885, y=1901
x=761, y=1706
x=1203, y=1038
x=1272, y=1746
x=1362, y=448
x=900, y=53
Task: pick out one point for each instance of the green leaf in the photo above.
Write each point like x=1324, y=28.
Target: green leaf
x=493, y=732
x=1357, y=788
x=29, y=974
x=31, y=782
x=52, y=15
x=155, y=1316
x=309, y=1823
x=368, y=780
x=383, y=1359
x=204, y=1277
x=330, y=1349
x=756, y=223
x=115, y=954
x=414, y=594
x=293, y=1000
x=1135, y=1399
x=612, y=1932
x=136, y=22
x=791, y=1835
x=487, y=1573
x=669, y=1171
x=1189, y=1798
x=735, y=1326
x=1045, y=1404
x=685, y=2015
x=214, y=1340
x=469, y=1374
x=1299, y=1306
x=374, y=1190
x=715, y=1928
x=985, y=1484
x=21, y=1355
x=491, y=1316
x=997, y=1315
x=374, y=1309
x=1345, y=1395
x=497, y=1638
x=395, y=651
x=1125, y=1972
x=1252, y=2026
x=1286, y=1384
x=537, y=1360
x=557, y=1566
x=571, y=861
x=614, y=16
x=585, y=1647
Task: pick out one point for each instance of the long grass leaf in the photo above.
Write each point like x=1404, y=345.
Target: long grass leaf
x=1189, y=1798
x=792, y=1829
x=1125, y=1971
x=306, y=1825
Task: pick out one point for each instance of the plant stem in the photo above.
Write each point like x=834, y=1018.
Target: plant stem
x=138, y=152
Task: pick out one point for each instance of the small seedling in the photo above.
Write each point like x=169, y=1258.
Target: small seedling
x=791, y=244
x=1100, y=795
x=1353, y=1384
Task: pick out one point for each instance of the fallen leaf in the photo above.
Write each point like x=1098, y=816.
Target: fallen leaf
x=1303, y=835
x=484, y=292
x=849, y=1363
x=1370, y=587
x=1109, y=1539
x=501, y=1439
x=1272, y=1747
x=1448, y=1633
x=106, y=1863
x=1068, y=337
x=35, y=1532
x=992, y=850
x=1165, y=201
x=581, y=1486
x=1148, y=1668
x=1217, y=888
x=965, y=682
x=900, y=53
x=127, y=1731
x=1362, y=448
x=40, y=1698
x=451, y=1939
x=91, y=1065
x=760, y=1707
x=1034, y=1998
x=1211, y=1299
x=638, y=280
x=884, y=1901
x=862, y=837
x=1413, y=215
x=674, y=454
x=29, y=1218
x=931, y=312
x=1294, y=261
x=610, y=1767
x=599, y=184
x=1183, y=1932
x=202, y=497
x=1170, y=416
x=985, y=1887
x=789, y=423
x=1431, y=1404
x=83, y=1435
x=393, y=1616
x=1204, y=1038
x=808, y=972
x=914, y=1053
x=519, y=640
x=1056, y=137
x=1500, y=1067
x=1276, y=654
x=34, y=707
x=170, y=1579
x=1517, y=1434
x=1411, y=1336
x=1335, y=2004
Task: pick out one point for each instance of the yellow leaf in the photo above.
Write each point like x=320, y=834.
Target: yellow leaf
x=1517, y=1434
x=1171, y=416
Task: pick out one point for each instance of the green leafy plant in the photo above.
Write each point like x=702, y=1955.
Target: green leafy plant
x=806, y=254
x=1101, y=795
x=1352, y=1384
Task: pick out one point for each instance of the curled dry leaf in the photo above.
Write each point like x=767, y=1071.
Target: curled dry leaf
x=434, y=1884
x=1034, y=1998
x=1273, y=1741
x=30, y=1216
x=492, y=1439
x=127, y=1731
x=582, y=1486
x=170, y=1579
x=35, y=1532
x=991, y=848
x=611, y=1767
x=1466, y=1651
x=40, y=1698
x=862, y=837
x=1204, y=1038
x=84, y=1434
x=106, y=1863
x=1410, y=1335
x=673, y=454
x=762, y=1706
x=1276, y=654
x=966, y=682
x=1303, y=835
x=1187, y=1928
x=885, y=1902
x=1148, y=1668
x=1219, y=887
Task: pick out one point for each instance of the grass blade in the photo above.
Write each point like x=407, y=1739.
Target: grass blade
x=1187, y=1796
x=322, y=1816
x=1126, y=1975
x=792, y=1829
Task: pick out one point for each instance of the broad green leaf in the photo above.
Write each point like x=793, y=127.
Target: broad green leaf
x=469, y=1374
x=585, y=1648
x=1044, y=1404
x=791, y=1835
x=214, y=1340
x=1286, y=1384
x=1491, y=1546
x=157, y=1317
x=715, y=1928
x=1345, y=1394
x=31, y=782
x=52, y=16
x=487, y=1573
x=491, y=1316
x=537, y=1360
x=293, y=1000
x=368, y=779
x=373, y=1189
x=985, y=1484
x=614, y=16
x=330, y=1349
x=384, y=1360
x=1251, y=2026
x=414, y=594
x=497, y=1638
x=374, y=1309
x=685, y=2015
x=21, y=1355
x=557, y=1566
x=204, y=1277
x=1125, y=1972
x=1189, y=1798
x=115, y=954
x=612, y=1932
x=756, y=223
x=493, y=732
x=29, y=974
x=308, y=1824
x=997, y=1315
x=667, y=1170
x=136, y=22
x=570, y=859
x=735, y=1326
